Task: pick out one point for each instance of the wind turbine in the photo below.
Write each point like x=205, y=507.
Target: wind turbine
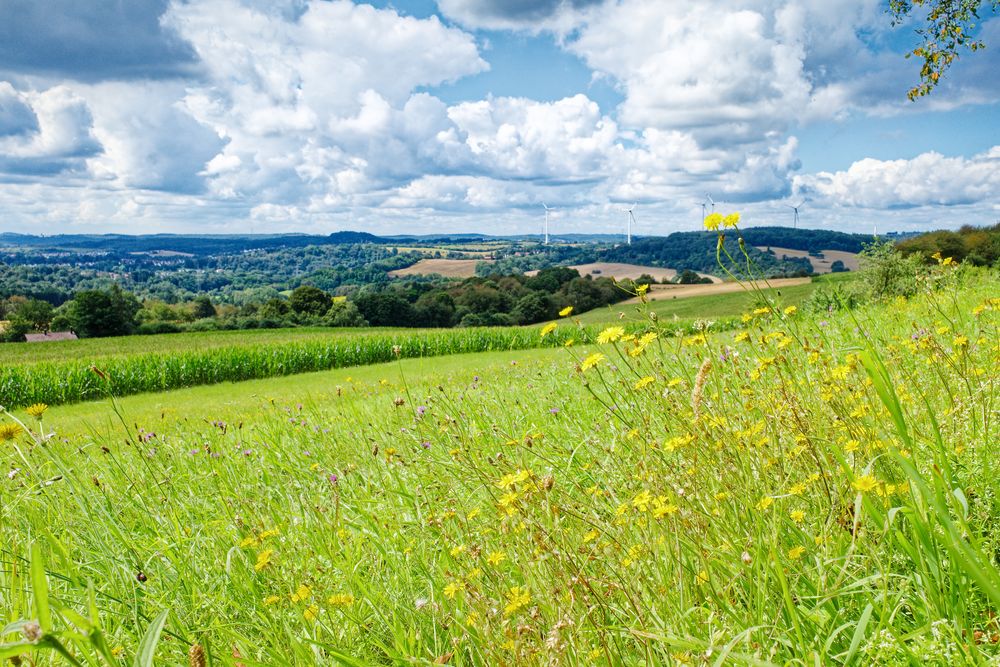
x=795, y=219
x=711, y=202
x=547, y=209
x=629, y=221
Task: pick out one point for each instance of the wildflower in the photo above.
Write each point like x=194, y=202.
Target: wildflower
x=591, y=535
x=795, y=553
x=458, y=551
x=271, y=599
x=662, y=508
x=302, y=593
x=591, y=361
x=610, y=335
x=263, y=560
x=791, y=310
x=960, y=342
x=248, y=542
x=642, y=500
x=36, y=410
x=798, y=516
x=565, y=312
x=702, y=578
x=644, y=382
x=713, y=221
x=741, y=337
x=764, y=503
x=452, y=589
x=548, y=328
x=273, y=532
x=517, y=598
x=865, y=483
x=731, y=220
x=496, y=558
x=311, y=613
x=9, y=431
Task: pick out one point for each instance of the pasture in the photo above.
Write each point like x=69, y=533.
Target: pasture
x=800, y=491
x=448, y=268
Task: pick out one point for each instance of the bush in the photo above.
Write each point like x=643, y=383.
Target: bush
x=153, y=328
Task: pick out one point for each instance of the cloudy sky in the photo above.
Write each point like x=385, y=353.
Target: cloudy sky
x=142, y=116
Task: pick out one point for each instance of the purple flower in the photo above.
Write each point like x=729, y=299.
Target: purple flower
x=195, y=451
x=553, y=411
x=824, y=323
x=421, y=409
x=333, y=478
x=247, y=452
x=425, y=445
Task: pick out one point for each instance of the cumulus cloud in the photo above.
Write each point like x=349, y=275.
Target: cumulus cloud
x=516, y=14
x=44, y=133
x=928, y=179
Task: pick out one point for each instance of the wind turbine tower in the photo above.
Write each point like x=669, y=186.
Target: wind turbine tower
x=629, y=221
x=547, y=209
x=795, y=209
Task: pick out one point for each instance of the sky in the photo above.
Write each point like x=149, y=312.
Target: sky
x=424, y=116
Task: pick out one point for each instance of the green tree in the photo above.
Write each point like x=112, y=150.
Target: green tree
x=309, y=300
x=36, y=313
x=202, y=307
x=97, y=313
x=949, y=27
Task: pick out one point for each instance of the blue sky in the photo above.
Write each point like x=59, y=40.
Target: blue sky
x=466, y=115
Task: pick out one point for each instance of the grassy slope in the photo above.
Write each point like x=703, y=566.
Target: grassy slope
x=523, y=520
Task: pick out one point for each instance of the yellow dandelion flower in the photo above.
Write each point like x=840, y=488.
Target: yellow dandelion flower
x=642, y=500
x=791, y=310
x=496, y=558
x=591, y=361
x=713, y=221
x=263, y=560
x=311, y=613
x=591, y=535
x=865, y=483
x=9, y=431
x=610, y=335
x=548, y=328
x=960, y=342
x=518, y=598
x=741, y=337
x=36, y=410
x=798, y=516
x=566, y=312
x=458, y=551
x=301, y=593
x=795, y=553
x=662, y=508
x=271, y=599
x=274, y=532
x=764, y=503
x=452, y=589
x=702, y=578
x=731, y=220
x=644, y=382
x=248, y=542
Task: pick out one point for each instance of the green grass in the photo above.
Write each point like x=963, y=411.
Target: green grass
x=802, y=491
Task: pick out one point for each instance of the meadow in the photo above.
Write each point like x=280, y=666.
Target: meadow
x=807, y=489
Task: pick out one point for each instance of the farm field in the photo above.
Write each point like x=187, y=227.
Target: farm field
x=823, y=265
x=621, y=271
x=802, y=490
x=701, y=301
x=449, y=268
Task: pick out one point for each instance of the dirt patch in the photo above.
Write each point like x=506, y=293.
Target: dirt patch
x=449, y=268
x=620, y=271
x=823, y=265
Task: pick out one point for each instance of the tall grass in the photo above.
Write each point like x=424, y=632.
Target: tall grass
x=807, y=490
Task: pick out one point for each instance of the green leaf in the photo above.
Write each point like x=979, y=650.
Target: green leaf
x=859, y=634
x=147, y=647
x=40, y=589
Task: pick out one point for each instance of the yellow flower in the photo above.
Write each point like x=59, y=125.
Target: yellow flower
x=548, y=328
x=765, y=502
x=642, y=500
x=517, y=598
x=248, y=542
x=731, y=220
x=452, y=589
x=865, y=483
x=341, y=600
x=644, y=382
x=795, y=553
x=311, y=612
x=565, y=312
x=302, y=593
x=591, y=361
x=496, y=558
x=713, y=221
x=591, y=535
x=9, y=431
x=742, y=336
x=610, y=335
x=791, y=310
x=662, y=508
x=702, y=578
x=263, y=560
x=458, y=551
x=36, y=410
x=271, y=599
x=798, y=516
x=960, y=342
x=274, y=532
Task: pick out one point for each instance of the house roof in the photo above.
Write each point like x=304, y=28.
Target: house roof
x=50, y=336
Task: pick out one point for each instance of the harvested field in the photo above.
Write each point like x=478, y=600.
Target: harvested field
x=823, y=265
x=664, y=292
x=620, y=271
x=450, y=268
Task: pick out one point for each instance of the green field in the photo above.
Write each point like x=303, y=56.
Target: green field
x=801, y=491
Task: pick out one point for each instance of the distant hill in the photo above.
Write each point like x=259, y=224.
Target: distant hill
x=810, y=240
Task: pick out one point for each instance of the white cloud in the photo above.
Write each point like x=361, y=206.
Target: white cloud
x=926, y=180
x=45, y=132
